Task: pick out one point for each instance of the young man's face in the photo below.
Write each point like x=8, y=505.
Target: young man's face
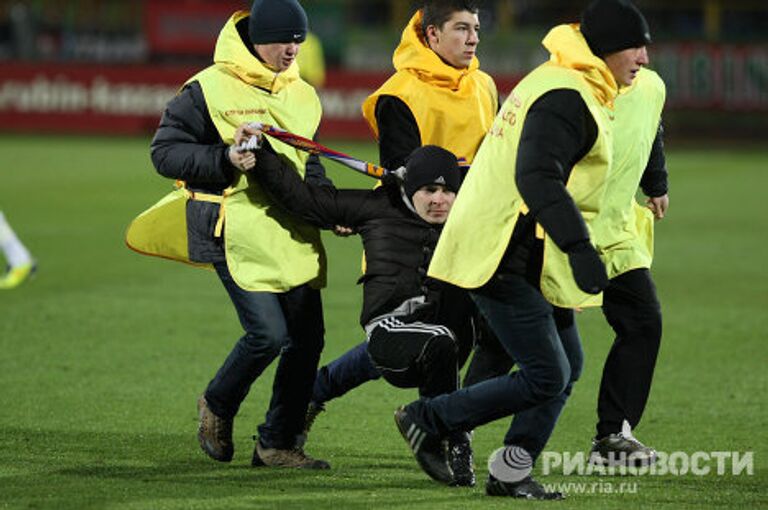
x=433, y=202
x=625, y=64
x=456, y=41
x=278, y=56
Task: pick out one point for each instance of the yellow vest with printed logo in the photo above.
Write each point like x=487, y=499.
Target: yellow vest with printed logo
x=623, y=231
x=266, y=248
x=483, y=217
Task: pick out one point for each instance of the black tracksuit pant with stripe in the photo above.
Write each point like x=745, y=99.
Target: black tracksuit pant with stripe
x=416, y=355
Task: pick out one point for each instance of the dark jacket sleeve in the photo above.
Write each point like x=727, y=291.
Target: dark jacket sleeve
x=654, y=181
x=398, y=132
x=315, y=171
x=187, y=145
x=558, y=132
x=320, y=205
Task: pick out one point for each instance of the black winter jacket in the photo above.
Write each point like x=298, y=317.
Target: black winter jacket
x=187, y=146
x=398, y=244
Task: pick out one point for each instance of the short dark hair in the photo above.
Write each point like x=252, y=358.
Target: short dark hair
x=437, y=12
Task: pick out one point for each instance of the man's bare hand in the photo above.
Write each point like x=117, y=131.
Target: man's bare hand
x=244, y=132
x=342, y=231
x=658, y=206
x=243, y=160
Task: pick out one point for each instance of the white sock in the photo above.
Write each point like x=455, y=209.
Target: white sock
x=15, y=252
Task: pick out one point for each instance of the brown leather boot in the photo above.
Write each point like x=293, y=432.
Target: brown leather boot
x=214, y=433
x=292, y=458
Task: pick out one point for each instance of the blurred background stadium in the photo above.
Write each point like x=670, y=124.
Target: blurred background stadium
x=110, y=65
x=103, y=354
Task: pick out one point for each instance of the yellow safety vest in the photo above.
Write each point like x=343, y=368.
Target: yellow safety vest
x=623, y=231
x=485, y=212
x=453, y=108
x=266, y=248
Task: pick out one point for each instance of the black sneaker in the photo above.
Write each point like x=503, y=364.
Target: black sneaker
x=460, y=460
x=527, y=488
x=621, y=449
x=428, y=449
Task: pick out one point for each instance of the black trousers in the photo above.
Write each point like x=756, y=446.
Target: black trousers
x=632, y=309
x=415, y=355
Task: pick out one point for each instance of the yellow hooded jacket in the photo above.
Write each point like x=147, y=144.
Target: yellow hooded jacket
x=453, y=108
x=484, y=215
x=266, y=248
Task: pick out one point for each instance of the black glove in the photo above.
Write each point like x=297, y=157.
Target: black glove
x=588, y=269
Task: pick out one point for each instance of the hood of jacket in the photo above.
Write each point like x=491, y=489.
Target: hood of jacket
x=568, y=48
x=232, y=53
x=414, y=55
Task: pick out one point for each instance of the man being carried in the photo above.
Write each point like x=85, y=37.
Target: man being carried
x=418, y=330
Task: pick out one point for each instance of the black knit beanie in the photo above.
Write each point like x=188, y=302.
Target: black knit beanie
x=431, y=164
x=613, y=25
x=277, y=21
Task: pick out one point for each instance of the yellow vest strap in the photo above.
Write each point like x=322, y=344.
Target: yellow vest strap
x=204, y=197
x=208, y=197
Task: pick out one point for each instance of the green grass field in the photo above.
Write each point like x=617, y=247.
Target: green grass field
x=104, y=353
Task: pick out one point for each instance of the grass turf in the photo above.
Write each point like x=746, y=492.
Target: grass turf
x=105, y=352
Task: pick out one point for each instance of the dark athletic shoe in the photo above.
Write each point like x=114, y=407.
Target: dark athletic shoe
x=621, y=449
x=461, y=462
x=214, y=433
x=527, y=488
x=428, y=449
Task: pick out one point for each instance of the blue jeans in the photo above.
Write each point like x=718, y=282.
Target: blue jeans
x=523, y=322
x=289, y=324
x=530, y=429
x=345, y=373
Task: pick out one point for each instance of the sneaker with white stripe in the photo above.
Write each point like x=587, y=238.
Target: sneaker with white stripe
x=429, y=449
x=621, y=449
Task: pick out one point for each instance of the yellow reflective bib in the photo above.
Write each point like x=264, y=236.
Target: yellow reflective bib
x=623, y=231
x=485, y=212
x=266, y=248
x=161, y=230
